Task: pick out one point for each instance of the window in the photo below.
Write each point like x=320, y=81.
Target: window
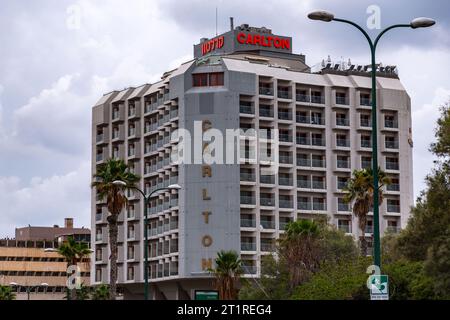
x=130, y=252
x=98, y=254
x=200, y=80
x=208, y=79
x=130, y=273
x=216, y=79
x=98, y=274
x=344, y=225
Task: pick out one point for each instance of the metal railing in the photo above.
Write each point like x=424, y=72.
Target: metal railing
x=248, y=223
x=363, y=101
x=247, y=200
x=248, y=246
x=341, y=100
x=246, y=109
x=266, y=91
x=286, y=204
x=247, y=176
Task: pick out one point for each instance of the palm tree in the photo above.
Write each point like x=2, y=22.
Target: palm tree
x=108, y=172
x=227, y=274
x=360, y=191
x=300, y=248
x=101, y=293
x=6, y=293
x=73, y=252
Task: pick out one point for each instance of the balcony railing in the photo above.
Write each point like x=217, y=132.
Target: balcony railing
x=304, y=184
x=265, y=112
x=366, y=143
x=267, y=247
x=345, y=228
x=391, y=144
x=304, y=205
x=344, y=164
x=284, y=181
x=342, y=122
x=390, y=123
x=250, y=269
x=266, y=91
x=393, y=229
x=246, y=109
x=302, y=140
x=366, y=164
x=284, y=115
x=342, y=142
x=365, y=123
x=302, y=97
x=286, y=159
x=248, y=223
x=317, y=99
x=393, y=187
x=318, y=163
x=302, y=162
x=318, y=184
x=392, y=165
x=268, y=224
x=247, y=176
x=393, y=208
x=310, y=120
x=288, y=204
x=285, y=137
x=267, y=179
x=283, y=94
x=248, y=246
x=99, y=137
x=343, y=207
x=99, y=157
x=318, y=142
x=341, y=100
x=363, y=101
x=268, y=202
x=247, y=200
x=320, y=206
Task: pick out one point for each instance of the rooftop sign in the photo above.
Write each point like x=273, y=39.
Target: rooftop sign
x=243, y=40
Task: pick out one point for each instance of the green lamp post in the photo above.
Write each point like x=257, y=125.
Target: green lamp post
x=146, y=201
x=326, y=16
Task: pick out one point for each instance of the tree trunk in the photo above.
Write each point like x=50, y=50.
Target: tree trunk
x=113, y=233
x=363, y=244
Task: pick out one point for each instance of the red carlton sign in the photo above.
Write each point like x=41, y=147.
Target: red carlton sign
x=263, y=41
x=212, y=44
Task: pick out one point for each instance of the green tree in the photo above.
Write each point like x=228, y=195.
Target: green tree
x=6, y=293
x=227, y=273
x=336, y=281
x=100, y=292
x=73, y=252
x=108, y=172
x=299, y=246
x=359, y=192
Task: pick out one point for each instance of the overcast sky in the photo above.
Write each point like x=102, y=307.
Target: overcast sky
x=58, y=57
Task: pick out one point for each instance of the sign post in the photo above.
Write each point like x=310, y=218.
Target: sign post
x=206, y=295
x=379, y=287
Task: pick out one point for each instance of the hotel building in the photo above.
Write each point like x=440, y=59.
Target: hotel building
x=244, y=78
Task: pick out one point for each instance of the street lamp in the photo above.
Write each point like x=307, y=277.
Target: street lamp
x=326, y=16
x=123, y=184
x=28, y=288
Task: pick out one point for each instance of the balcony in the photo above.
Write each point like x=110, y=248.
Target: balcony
x=267, y=224
x=319, y=206
x=342, y=100
x=284, y=115
x=343, y=164
x=248, y=246
x=318, y=142
x=248, y=223
x=246, y=109
x=393, y=208
x=302, y=97
x=286, y=204
x=341, y=184
x=345, y=228
x=389, y=144
x=267, y=179
x=392, y=165
x=248, y=200
x=247, y=176
x=303, y=184
x=343, y=207
x=286, y=159
x=301, y=205
x=366, y=164
x=99, y=137
x=266, y=112
x=366, y=143
x=393, y=187
x=318, y=184
x=310, y=120
x=364, y=122
x=343, y=143
x=99, y=157
x=283, y=137
x=318, y=99
x=368, y=229
x=285, y=181
x=392, y=124
x=393, y=229
x=303, y=141
x=250, y=269
x=318, y=163
x=267, y=202
x=266, y=91
x=364, y=101
x=344, y=122
x=283, y=94
x=267, y=247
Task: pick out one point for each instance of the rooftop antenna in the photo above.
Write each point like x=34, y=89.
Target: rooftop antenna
x=216, y=19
